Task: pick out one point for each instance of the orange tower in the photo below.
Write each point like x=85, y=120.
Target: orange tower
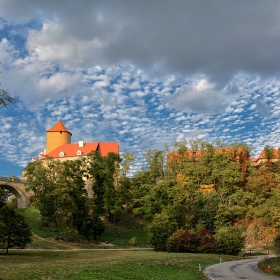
x=57, y=136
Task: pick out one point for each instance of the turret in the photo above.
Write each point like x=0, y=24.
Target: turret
x=57, y=136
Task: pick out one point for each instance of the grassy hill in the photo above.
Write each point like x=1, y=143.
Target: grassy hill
x=128, y=233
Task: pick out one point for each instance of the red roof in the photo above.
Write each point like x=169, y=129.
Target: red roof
x=262, y=156
x=107, y=147
x=59, y=126
x=70, y=150
x=234, y=153
x=275, y=154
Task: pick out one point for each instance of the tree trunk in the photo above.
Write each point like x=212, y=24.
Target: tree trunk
x=7, y=248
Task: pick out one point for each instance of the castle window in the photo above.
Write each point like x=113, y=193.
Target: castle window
x=79, y=153
x=61, y=154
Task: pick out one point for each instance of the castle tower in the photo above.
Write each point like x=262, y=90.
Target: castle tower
x=57, y=136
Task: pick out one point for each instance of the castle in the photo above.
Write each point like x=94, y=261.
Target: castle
x=59, y=146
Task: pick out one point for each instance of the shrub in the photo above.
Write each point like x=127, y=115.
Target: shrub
x=191, y=242
x=230, y=240
x=133, y=240
x=277, y=245
x=183, y=241
x=207, y=242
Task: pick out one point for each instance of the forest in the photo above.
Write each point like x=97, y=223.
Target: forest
x=191, y=197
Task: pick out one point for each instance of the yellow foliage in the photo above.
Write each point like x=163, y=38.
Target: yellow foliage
x=133, y=240
x=182, y=179
x=206, y=188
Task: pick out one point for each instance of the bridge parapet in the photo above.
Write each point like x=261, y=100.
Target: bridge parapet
x=11, y=179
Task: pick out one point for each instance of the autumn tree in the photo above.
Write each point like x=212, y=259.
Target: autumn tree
x=194, y=187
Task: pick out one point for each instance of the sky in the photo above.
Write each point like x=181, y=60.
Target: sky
x=142, y=73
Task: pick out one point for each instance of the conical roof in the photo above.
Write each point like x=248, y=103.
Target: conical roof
x=59, y=126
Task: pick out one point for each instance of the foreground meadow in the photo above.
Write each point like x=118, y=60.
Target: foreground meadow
x=103, y=265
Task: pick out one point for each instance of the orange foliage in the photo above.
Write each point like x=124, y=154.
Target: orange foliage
x=259, y=234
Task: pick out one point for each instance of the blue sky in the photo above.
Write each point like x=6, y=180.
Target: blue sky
x=143, y=73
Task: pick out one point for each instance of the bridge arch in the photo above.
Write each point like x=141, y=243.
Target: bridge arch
x=18, y=189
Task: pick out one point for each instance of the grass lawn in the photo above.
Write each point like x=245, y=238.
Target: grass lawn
x=103, y=264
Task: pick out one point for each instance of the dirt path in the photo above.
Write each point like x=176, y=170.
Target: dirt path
x=60, y=243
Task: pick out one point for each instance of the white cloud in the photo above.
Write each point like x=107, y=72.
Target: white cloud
x=200, y=96
x=53, y=43
x=138, y=94
x=58, y=82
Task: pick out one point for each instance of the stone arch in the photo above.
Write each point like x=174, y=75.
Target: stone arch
x=18, y=189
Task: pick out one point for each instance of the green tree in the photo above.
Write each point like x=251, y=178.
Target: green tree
x=95, y=170
x=104, y=174
x=14, y=232
x=155, y=165
x=60, y=193
x=160, y=229
x=152, y=199
x=74, y=202
x=92, y=227
x=3, y=197
x=128, y=161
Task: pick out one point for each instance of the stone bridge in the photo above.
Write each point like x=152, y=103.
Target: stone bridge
x=17, y=187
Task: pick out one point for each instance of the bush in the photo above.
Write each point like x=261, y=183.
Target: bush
x=277, y=245
x=183, y=241
x=207, y=242
x=191, y=242
x=161, y=228
x=230, y=240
